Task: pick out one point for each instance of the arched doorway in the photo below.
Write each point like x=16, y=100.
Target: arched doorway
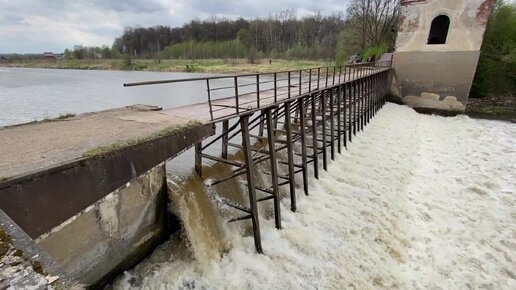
x=439, y=30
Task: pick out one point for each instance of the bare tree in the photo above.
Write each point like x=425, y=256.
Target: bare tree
x=372, y=21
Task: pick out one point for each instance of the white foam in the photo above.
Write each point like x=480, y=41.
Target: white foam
x=416, y=202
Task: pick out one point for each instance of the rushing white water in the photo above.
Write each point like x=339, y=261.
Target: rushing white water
x=416, y=202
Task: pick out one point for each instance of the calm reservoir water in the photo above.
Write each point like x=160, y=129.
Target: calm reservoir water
x=35, y=94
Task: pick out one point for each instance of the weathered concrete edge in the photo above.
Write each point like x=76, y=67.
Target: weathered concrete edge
x=40, y=201
x=34, y=253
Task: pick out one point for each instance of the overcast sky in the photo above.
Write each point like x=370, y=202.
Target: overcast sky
x=35, y=26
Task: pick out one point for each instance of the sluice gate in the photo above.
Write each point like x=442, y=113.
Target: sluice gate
x=309, y=114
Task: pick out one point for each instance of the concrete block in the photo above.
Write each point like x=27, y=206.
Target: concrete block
x=113, y=233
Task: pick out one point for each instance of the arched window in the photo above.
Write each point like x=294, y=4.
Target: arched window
x=439, y=30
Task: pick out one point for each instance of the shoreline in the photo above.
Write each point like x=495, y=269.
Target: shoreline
x=170, y=65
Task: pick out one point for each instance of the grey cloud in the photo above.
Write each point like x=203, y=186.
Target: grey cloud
x=11, y=19
x=98, y=22
x=135, y=6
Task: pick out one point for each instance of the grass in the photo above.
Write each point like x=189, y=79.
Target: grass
x=492, y=112
x=59, y=118
x=172, y=65
x=102, y=151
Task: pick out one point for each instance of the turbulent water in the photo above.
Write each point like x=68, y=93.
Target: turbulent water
x=416, y=202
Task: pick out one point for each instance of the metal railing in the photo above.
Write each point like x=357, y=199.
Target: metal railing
x=231, y=95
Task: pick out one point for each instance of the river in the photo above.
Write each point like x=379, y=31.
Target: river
x=416, y=202
x=35, y=94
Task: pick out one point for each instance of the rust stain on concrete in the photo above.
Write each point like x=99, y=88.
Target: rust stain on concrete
x=401, y=20
x=410, y=2
x=483, y=12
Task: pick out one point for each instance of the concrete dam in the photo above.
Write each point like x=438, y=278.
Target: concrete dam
x=104, y=178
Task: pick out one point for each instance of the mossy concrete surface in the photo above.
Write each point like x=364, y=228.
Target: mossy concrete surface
x=35, y=146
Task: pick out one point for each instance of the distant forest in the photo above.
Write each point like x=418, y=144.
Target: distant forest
x=282, y=35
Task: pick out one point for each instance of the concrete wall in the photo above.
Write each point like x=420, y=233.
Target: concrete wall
x=438, y=76
x=114, y=233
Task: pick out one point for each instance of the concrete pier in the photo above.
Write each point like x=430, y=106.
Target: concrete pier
x=91, y=189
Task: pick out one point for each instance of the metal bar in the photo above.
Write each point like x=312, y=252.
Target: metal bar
x=310, y=81
x=245, y=217
x=302, y=129
x=258, y=90
x=344, y=113
x=355, y=107
x=236, y=96
x=209, y=98
x=334, y=73
x=275, y=88
x=318, y=77
x=339, y=125
x=323, y=115
x=327, y=73
x=262, y=120
x=300, y=83
x=198, y=158
x=290, y=157
x=225, y=127
x=289, y=85
x=332, y=125
x=350, y=105
x=314, y=138
x=274, y=169
x=218, y=159
x=249, y=168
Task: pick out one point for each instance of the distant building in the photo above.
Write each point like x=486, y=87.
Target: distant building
x=49, y=55
x=437, y=51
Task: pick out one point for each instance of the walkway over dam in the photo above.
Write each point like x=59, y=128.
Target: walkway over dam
x=73, y=162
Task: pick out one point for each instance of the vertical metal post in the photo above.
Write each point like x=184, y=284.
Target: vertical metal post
x=302, y=132
x=310, y=81
x=334, y=73
x=327, y=73
x=274, y=168
x=343, y=91
x=300, y=81
x=332, y=124
x=236, y=95
x=314, y=138
x=290, y=157
x=360, y=95
x=318, y=77
x=364, y=96
x=225, y=127
x=350, y=105
x=258, y=90
x=323, y=115
x=288, y=75
x=355, y=82
x=209, y=97
x=198, y=158
x=249, y=167
x=339, y=120
x=275, y=88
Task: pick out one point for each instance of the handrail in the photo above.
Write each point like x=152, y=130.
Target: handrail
x=277, y=85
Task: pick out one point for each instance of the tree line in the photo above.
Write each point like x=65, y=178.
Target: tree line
x=271, y=37
x=496, y=71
